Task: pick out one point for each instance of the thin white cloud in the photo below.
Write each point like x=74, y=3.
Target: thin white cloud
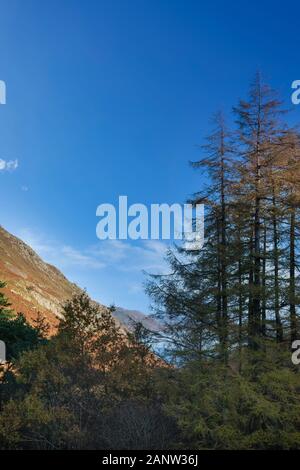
x=8, y=165
x=59, y=255
x=119, y=255
x=81, y=259
x=147, y=255
x=111, y=270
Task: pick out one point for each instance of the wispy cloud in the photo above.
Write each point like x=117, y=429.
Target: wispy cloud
x=8, y=165
x=78, y=258
x=147, y=255
x=119, y=255
x=55, y=253
x=111, y=270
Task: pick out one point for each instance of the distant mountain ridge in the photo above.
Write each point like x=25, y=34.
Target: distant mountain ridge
x=34, y=286
x=129, y=317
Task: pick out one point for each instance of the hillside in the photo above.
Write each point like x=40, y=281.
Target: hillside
x=34, y=286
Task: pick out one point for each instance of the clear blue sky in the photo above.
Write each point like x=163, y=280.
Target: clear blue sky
x=111, y=97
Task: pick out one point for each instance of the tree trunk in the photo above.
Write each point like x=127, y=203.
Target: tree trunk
x=292, y=296
x=279, y=331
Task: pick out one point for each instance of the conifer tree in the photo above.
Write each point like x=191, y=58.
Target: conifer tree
x=5, y=311
x=242, y=288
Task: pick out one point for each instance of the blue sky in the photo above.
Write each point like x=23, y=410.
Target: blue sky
x=106, y=98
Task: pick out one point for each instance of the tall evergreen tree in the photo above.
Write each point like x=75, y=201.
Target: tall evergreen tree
x=241, y=288
x=5, y=311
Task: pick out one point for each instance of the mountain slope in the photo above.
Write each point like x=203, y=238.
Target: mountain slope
x=34, y=286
